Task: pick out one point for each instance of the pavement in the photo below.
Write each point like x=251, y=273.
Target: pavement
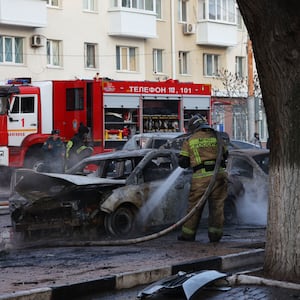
x=244, y=286
x=237, y=265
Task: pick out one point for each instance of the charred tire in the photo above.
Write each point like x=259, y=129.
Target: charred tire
x=121, y=222
x=230, y=213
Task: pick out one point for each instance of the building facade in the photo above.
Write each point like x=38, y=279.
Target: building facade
x=203, y=41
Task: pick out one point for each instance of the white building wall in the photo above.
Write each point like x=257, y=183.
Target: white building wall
x=74, y=27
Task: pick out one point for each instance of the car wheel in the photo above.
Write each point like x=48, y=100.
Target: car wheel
x=34, y=160
x=121, y=222
x=230, y=213
x=38, y=166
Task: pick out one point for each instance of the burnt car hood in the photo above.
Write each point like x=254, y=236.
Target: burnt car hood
x=34, y=186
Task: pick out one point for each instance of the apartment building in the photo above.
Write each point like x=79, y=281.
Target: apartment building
x=189, y=40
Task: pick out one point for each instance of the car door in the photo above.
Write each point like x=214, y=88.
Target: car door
x=22, y=119
x=169, y=187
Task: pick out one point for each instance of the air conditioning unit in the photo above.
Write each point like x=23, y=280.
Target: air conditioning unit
x=188, y=28
x=37, y=41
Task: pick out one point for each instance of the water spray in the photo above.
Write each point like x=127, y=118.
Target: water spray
x=124, y=242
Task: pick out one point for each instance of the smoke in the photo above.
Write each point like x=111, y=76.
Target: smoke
x=252, y=206
x=159, y=195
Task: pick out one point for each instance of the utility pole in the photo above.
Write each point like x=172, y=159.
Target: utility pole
x=250, y=99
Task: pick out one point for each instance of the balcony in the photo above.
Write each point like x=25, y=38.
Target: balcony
x=128, y=22
x=219, y=34
x=27, y=13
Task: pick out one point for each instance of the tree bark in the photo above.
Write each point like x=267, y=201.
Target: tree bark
x=274, y=29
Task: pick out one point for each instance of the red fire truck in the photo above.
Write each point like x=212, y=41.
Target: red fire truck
x=113, y=110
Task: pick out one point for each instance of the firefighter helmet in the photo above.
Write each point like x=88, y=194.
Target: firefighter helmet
x=197, y=122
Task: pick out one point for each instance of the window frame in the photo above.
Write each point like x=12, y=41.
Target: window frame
x=218, y=10
x=49, y=3
x=11, y=50
x=159, y=9
x=240, y=66
x=182, y=11
x=157, y=59
x=147, y=5
x=88, y=48
x=54, y=59
x=215, y=63
x=183, y=59
x=126, y=62
x=89, y=5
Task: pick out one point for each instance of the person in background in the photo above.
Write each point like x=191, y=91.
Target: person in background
x=78, y=147
x=54, y=153
x=268, y=143
x=200, y=152
x=256, y=140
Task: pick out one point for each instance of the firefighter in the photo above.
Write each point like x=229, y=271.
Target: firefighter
x=54, y=153
x=199, y=152
x=78, y=147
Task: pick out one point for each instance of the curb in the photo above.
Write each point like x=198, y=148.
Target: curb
x=147, y=276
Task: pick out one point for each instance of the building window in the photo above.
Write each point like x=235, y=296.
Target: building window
x=183, y=62
x=157, y=60
x=239, y=20
x=53, y=53
x=211, y=65
x=126, y=58
x=182, y=10
x=159, y=9
x=90, y=55
x=89, y=5
x=149, y=5
x=114, y=3
x=218, y=10
x=240, y=66
x=11, y=50
x=136, y=4
x=53, y=3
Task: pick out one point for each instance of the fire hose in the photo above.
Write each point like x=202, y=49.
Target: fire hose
x=123, y=242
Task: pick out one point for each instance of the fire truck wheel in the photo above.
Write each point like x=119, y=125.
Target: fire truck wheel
x=121, y=222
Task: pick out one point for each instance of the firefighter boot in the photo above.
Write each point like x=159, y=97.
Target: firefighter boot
x=215, y=235
x=186, y=235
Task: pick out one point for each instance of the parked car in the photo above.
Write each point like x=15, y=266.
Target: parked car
x=237, y=144
x=247, y=200
x=149, y=140
x=102, y=191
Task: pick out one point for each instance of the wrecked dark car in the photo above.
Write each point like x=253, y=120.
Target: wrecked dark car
x=105, y=191
x=247, y=200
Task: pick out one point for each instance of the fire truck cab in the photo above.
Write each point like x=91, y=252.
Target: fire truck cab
x=112, y=110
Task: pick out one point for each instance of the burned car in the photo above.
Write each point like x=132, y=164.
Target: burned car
x=103, y=191
x=151, y=140
x=247, y=200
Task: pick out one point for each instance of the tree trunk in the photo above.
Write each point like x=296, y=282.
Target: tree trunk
x=274, y=29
